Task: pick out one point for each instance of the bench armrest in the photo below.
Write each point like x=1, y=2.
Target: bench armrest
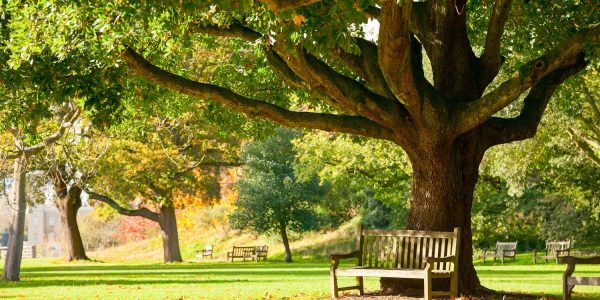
x=431, y=260
x=485, y=251
x=335, y=258
x=572, y=260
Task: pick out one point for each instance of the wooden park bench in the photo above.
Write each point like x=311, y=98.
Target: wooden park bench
x=503, y=249
x=251, y=252
x=554, y=250
x=29, y=251
x=402, y=254
x=569, y=282
x=261, y=252
x=207, y=251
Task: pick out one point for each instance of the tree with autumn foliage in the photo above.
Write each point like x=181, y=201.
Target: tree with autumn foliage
x=152, y=170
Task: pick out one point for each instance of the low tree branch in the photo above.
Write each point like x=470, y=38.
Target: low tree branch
x=141, y=212
x=472, y=114
x=251, y=107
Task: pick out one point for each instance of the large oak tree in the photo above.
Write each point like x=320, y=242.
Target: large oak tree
x=434, y=80
x=380, y=89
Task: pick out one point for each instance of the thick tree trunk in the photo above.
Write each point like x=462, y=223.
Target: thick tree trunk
x=442, y=194
x=286, y=243
x=168, y=227
x=68, y=205
x=12, y=262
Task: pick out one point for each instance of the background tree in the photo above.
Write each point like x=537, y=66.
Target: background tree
x=66, y=165
x=152, y=168
x=271, y=198
x=366, y=175
x=587, y=136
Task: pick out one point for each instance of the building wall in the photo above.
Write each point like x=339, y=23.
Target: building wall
x=44, y=230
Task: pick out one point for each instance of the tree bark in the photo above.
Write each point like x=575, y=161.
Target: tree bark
x=168, y=227
x=68, y=205
x=444, y=179
x=14, y=253
x=286, y=243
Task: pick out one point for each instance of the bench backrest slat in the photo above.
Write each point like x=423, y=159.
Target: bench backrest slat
x=553, y=246
x=509, y=247
x=406, y=249
x=240, y=251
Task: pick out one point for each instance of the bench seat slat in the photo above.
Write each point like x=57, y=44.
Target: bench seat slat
x=392, y=273
x=548, y=256
x=379, y=272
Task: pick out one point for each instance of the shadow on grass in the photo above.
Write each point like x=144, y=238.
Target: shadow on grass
x=133, y=273
x=121, y=282
x=183, y=266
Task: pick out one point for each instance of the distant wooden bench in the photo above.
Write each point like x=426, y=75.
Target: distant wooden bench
x=554, y=250
x=502, y=250
x=251, y=252
x=205, y=252
x=402, y=254
x=261, y=252
x=569, y=282
x=28, y=251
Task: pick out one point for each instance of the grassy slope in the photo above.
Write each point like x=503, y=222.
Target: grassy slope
x=134, y=271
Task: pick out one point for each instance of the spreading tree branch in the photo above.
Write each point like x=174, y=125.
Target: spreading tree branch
x=281, y=5
x=352, y=96
x=505, y=130
x=141, y=212
x=66, y=122
x=491, y=59
x=251, y=107
x=366, y=66
x=394, y=53
x=477, y=112
x=233, y=30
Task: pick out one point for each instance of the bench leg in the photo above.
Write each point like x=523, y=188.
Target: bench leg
x=567, y=290
x=427, y=289
x=334, y=286
x=454, y=286
x=360, y=284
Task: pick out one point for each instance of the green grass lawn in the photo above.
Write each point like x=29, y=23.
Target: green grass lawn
x=55, y=279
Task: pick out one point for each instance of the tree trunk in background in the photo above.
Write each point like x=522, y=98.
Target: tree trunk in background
x=286, y=243
x=12, y=261
x=442, y=196
x=68, y=206
x=168, y=227
x=68, y=202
